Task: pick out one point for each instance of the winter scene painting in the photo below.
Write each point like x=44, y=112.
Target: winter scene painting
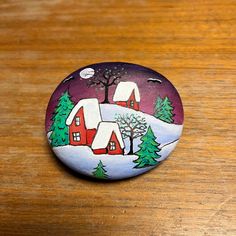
x=114, y=120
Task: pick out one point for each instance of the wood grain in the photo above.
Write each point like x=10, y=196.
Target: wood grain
x=192, y=43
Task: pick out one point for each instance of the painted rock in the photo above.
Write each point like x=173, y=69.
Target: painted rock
x=114, y=120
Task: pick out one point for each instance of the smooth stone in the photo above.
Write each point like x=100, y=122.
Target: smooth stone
x=114, y=120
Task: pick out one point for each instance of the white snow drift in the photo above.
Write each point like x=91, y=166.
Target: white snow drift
x=164, y=132
x=82, y=159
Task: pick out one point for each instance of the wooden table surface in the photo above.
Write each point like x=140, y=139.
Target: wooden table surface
x=192, y=43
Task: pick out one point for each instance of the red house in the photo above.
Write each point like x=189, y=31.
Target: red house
x=108, y=139
x=83, y=122
x=127, y=95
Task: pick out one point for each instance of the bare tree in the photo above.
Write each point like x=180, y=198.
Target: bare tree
x=107, y=78
x=131, y=126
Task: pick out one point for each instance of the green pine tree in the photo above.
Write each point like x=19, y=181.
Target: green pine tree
x=167, y=111
x=164, y=110
x=60, y=131
x=99, y=172
x=147, y=154
x=157, y=108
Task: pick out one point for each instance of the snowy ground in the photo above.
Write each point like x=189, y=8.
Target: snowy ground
x=165, y=133
x=82, y=160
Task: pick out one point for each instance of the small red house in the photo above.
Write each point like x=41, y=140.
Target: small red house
x=127, y=95
x=108, y=139
x=83, y=121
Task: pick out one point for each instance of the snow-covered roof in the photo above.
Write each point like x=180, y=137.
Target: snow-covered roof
x=91, y=109
x=124, y=90
x=104, y=133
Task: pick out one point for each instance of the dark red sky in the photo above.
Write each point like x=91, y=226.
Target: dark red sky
x=149, y=91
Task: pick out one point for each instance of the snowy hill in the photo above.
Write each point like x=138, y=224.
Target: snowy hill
x=82, y=160
x=166, y=133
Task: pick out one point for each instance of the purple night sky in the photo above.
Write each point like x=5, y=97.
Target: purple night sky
x=149, y=91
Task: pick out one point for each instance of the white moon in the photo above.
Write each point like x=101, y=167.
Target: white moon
x=87, y=73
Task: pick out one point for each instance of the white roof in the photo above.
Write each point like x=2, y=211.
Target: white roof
x=91, y=109
x=124, y=90
x=104, y=133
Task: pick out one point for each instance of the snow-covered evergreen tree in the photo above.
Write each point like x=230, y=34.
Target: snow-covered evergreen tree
x=99, y=171
x=147, y=154
x=59, y=129
x=164, y=110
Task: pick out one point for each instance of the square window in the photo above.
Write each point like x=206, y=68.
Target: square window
x=132, y=103
x=112, y=146
x=76, y=137
x=77, y=121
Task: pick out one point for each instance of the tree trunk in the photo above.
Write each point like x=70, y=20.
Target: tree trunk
x=131, y=151
x=106, y=95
